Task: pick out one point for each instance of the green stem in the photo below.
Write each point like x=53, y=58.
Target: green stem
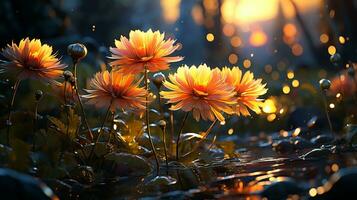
x=148, y=121
x=179, y=135
x=159, y=102
x=8, y=121
x=172, y=128
x=165, y=149
x=80, y=101
x=101, y=129
x=210, y=128
x=111, y=128
x=326, y=111
x=65, y=106
x=203, y=137
x=35, y=127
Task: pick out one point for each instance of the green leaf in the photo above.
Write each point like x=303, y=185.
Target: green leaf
x=70, y=126
x=130, y=133
x=58, y=123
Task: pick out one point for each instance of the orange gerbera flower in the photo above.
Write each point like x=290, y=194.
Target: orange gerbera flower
x=31, y=59
x=116, y=89
x=143, y=49
x=247, y=90
x=201, y=90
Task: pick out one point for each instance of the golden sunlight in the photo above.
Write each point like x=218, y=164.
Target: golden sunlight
x=170, y=10
x=251, y=11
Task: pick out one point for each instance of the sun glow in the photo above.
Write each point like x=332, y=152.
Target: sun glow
x=250, y=11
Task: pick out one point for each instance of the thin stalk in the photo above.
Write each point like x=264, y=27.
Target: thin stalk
x=65, y=106
x=179, y=135
x=8, y=122
x=159, y=102
x=210, y=128
x=101, y=130
x=165, y=149
x=111, y=128
x=35, y=126
x=213, y=141
x=148, y=121
x=203, y=137
x=326, y=111
x=340, y=81
x=172, y=127
x=80, y=101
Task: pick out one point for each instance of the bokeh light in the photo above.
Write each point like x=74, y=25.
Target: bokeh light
x=286, y=89
x=233, y=58
x=258, y=38
x=247, y=63
x=331, y=50
x=210, y=37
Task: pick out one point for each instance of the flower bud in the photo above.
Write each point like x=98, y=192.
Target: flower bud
x=162, y=124
x=325, y=84
x=158, y=79
x=67, y=75
x=38, y=95
x=77, y=51
x=335, y=59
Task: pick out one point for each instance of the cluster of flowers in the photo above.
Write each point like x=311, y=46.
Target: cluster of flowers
x=207, y=92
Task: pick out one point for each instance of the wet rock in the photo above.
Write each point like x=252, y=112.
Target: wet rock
x=281, y=189
x=351, y=135
x=264, y=144
x=179, y=195
x=14, y=185
x=341, y=185
x=301, y=143
x=316, y=154
x=301, y=116
x=83, y=174
x=76, y=187
x=322, y=139
x=283, y=147
x=62, y=189
x=162, y=181
x=241, y=150
x=216, y=153
x=125, y=164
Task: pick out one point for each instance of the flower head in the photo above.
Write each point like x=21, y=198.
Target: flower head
x=143, y=49
x=200, y=90
x=31, y=59
x=116, y=89
x=247, y=90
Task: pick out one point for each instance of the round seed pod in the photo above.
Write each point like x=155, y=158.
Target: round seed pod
x=335, y=59
x=325, y=84
x=162, y=124
x=158, y=79
x=38, y=95
x=77, y=51
x=67, y=75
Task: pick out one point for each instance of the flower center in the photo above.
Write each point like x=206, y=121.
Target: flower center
x=199, y=91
